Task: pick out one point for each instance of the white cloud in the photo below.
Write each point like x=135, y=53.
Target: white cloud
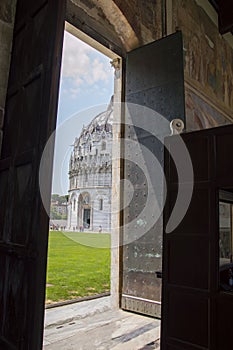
x=74, y=91
x=83, y=65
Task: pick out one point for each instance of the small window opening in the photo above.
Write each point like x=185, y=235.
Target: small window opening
x=226, y=240
x=101, y=204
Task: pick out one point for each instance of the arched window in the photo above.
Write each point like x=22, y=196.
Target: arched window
x=103, y=146
x=101, y=204
x=74, y=205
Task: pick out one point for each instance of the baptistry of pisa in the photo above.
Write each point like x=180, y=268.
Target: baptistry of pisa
x=90, y=175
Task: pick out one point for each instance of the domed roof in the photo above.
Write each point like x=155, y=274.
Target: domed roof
x=104, y=118
x=102, y=122
x=94, y=139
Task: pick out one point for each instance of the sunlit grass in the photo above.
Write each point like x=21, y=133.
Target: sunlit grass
x=76, y=270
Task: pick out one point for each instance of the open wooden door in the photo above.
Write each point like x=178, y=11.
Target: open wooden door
x=30, y=119
x=197, y=305
x=154, y=82
x=186, y=250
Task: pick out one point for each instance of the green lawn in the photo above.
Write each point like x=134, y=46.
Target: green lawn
x=78, y=266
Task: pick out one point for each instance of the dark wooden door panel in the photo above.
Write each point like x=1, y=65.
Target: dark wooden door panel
x=30, y=119
x=187, y=249
x=223, y=319
x=154, y=81
x=196, y=312
x=190, y=310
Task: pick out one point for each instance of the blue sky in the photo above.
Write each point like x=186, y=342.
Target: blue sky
x=86, y=86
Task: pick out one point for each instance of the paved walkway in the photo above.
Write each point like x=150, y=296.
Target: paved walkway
x=92, y=324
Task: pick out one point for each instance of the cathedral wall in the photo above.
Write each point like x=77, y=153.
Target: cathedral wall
x=72, y=210
x=72, y=220
x=208, y=65
x=125, y=25
x=102, y=217
x=7, y=15
x=208, y=56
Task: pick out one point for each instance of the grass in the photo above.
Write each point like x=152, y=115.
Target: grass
x=77, y=266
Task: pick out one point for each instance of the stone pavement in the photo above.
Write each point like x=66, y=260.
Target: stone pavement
x=92, y=324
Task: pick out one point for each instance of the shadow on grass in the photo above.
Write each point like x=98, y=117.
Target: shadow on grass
x=96, y=240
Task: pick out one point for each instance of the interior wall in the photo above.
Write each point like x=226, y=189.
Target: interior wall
x=208, y=56
x=127, y=25
x=144, y=17
x=208, y=68
x=120, y=25
x=7, y=16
